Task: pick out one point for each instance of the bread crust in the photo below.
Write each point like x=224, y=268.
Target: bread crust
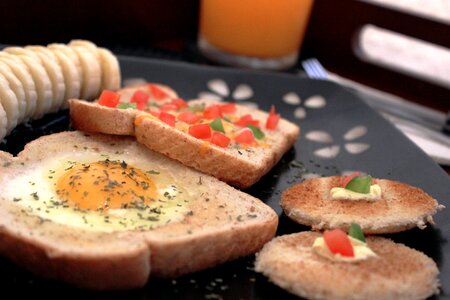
x=94, y=118
x=91, y=117
x=398, y=272
x=402, y=207
x=224, y=224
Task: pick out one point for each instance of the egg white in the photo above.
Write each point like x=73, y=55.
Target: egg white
x=35, y=191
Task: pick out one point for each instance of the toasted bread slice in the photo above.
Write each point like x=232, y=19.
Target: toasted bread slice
x=238, y=164
x=397, y=272
x=91, y=117
x=192, y=222
x=400, y=208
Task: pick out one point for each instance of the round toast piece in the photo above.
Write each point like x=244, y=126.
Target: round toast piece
x=398, y=272
x=216, y=223
x=400, y=208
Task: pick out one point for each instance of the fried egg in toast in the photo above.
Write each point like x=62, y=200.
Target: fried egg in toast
x=104, y=212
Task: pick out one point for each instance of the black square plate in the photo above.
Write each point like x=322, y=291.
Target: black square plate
x=340, y=133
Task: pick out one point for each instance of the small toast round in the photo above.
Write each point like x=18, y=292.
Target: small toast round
x=398, y=272
x=400, y=208
x=218, y=223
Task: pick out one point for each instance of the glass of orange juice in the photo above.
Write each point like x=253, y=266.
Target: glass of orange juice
x=263, y=34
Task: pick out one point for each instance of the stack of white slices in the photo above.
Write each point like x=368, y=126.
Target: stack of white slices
x=36, y=80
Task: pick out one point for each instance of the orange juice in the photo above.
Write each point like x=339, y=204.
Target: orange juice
x=255, y=28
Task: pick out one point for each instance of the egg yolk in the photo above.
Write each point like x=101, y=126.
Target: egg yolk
x=106, y=184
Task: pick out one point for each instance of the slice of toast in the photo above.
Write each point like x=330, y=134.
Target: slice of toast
x=91, y=117
x=397, y=272
x=190, y=221
x=239, y=164
x=400, y=208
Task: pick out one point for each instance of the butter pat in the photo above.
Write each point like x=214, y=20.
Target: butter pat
x=339, y=193
x=360, y=249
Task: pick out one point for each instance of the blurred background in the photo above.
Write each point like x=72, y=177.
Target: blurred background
x=355, y=39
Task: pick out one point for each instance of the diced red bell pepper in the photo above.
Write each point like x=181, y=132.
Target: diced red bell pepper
x=247, y=120
x=179, y=103
x=141, y=99
x=157, y=92
x=212, y=112
x=272, y=119
x=245, y=136
x=167, y=118
x=348, y=178
x=227, y=108
x=200, y=131
x=220, y=139
x=109, y=98
x=188, y=117
x=338, y=242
